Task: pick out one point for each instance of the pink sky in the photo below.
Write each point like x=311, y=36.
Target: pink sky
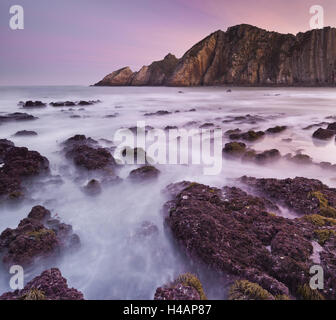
x=80, y=41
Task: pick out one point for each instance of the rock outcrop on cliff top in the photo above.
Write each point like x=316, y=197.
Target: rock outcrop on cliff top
x=243, y=55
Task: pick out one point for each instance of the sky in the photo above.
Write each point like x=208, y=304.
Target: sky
x=78, y=42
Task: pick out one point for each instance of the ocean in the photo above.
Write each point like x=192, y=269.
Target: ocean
x=111, y=263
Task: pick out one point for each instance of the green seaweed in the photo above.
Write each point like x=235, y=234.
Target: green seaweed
x=246, y=290
x=306, y=293
x=320, y=221
x=323, y=235
x=189, y=279
x=325, y=209
x=34, y=294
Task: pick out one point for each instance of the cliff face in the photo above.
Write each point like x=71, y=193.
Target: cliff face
x=244, y=55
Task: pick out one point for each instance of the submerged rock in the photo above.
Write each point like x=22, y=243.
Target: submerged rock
x=93, y=187
x=38, y=235
x=50, y=285
x=157, y=113
x=25, y=133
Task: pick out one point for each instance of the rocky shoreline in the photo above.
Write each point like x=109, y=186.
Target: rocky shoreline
x=236, y=231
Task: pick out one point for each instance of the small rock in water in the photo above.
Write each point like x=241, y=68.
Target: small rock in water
x=34, y=104
x=93, y=187
x=323, y=134
x=144, y=173
x=25, y=133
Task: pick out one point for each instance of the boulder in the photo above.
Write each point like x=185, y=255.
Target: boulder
x=144, y=173
x=25, y=133
x=86, y=153
x=18, y=163
x=238, y=234
x=50, y=285
x=323, y=134
x=37, y=236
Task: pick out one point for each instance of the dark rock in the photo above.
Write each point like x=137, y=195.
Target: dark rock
x=93, y=187
x=233, y=232
x=332, y=127
x=50, y=285
x=24, y=133
x=34, y=104
x=248, y=119
x=301, y=195
x=268, y=155
x=235, y=149
x=170, y=128
x=36, y=236
x=276, y=129
x=17, y=116
x=207, y=125
x=87, y=154
x=323, y=134
x=300, y=159
x=144, y=173
x=158, y=113
x=250, y=135
x=63, y=104
x=17, y=164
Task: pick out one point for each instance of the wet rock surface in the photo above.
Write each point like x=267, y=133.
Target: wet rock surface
x=25, y=133
x=250, y=135
x=302, y=195
x=237, y=234
x=50, y=285
x=37, y=236
x=86, y=153
x=185, y=287
x=33, y=104
x=276, y=129
x=18, y=163
x=16, y=116
x=157, y=113
x=323, y=134
x=144, y=173
x=74, y=103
